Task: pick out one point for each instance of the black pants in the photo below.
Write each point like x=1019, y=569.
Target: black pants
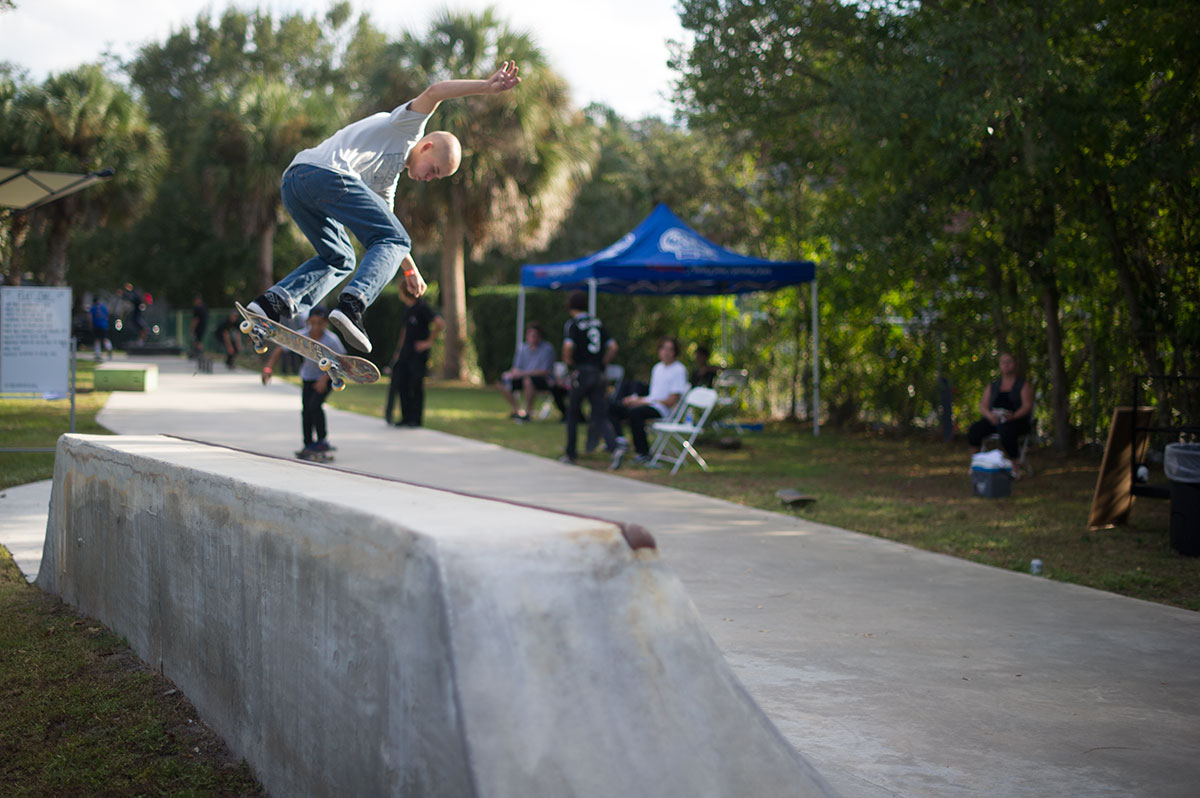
x=1009, y=432
x=312, y=412
x=408, y=385
x=637, y=417
x=589, y=383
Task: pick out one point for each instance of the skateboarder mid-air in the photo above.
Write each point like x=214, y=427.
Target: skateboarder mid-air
x=348, y=183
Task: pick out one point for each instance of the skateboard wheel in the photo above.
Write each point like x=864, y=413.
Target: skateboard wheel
x=338, y=384
x=261, y=350
x=324, y=364
x=245, y=326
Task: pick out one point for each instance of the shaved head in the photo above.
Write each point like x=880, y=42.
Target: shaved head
x=436, y=155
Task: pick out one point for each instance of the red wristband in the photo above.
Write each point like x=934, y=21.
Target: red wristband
x=266, y=369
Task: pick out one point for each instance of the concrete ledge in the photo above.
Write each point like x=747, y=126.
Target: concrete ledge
x=350, y=635
x=126, y=376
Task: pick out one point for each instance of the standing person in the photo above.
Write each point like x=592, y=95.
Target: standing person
x=226, y=335
x=315, y=390
x=137, y=302
x=411, y=361
x=587, y=349
x=348, y=182
x=532, y=371
x=98, y=313
x=668, y=384
x=1007, y=407
x=199, y=324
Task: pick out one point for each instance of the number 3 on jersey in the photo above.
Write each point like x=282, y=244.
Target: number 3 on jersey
x=593, y=336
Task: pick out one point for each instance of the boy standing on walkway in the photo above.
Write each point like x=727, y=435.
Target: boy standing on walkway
x=316, y=387
x=348, y=182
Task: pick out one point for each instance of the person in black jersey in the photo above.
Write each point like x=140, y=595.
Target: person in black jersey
x=422, y=325
x=1007, y=407
x=587, y=349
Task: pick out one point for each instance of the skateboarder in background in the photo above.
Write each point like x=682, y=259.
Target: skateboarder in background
x=348, y=182
x=316, y=386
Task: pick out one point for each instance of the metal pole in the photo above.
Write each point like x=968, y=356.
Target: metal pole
x=73, y=347
x=520, y=317
x=592, y=297
x=724, y=351
x=816, y=356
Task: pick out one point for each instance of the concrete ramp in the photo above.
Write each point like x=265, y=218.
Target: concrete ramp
x=351, y=635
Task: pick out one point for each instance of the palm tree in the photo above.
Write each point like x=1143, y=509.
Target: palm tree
x=81, y=121
x=525, y=153
x=250, y=136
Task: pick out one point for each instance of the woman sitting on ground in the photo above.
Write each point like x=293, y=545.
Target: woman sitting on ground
x=1007, y=407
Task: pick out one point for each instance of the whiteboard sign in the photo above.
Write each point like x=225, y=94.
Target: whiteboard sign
x=35, y=339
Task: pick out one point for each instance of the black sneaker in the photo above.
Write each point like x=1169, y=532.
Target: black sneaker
x=270, y=305
x=348, y=318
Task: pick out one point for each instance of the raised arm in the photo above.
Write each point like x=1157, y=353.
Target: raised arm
x=502, y=80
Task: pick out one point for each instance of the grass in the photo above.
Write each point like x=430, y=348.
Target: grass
x=81, y=715
x=35, y=423
x=908, y=489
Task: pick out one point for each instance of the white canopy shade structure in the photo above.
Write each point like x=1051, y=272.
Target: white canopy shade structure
x=26, y=189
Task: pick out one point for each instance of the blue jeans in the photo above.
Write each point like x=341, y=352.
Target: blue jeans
x=324, y=204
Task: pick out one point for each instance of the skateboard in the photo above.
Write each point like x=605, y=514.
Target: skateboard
x=341, y=368
x=315, y=457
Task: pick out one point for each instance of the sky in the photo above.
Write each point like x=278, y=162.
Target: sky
x=613, y=51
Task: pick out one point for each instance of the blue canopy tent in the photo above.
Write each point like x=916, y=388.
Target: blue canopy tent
x=664, y=256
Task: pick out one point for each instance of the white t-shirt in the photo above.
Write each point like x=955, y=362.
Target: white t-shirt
x=664, y=381
x=374, y=149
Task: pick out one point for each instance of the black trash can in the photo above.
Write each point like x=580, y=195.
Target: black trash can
x=1182, y=466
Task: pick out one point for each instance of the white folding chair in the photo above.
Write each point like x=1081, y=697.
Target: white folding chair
x=729, y=385
x=676, y=437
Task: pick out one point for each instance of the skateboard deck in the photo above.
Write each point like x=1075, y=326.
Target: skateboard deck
x=315, y=457
x=341, y=368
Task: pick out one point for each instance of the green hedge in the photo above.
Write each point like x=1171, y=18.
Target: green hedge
x=636, y=322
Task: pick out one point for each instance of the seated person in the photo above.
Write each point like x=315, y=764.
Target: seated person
x=668, y=384
x=704, y=373
x=1007, y=407
x=532, y=371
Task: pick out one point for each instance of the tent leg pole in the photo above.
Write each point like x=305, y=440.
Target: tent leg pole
x=592, y=297
x=520, y=317
x=724, y=350
x=816, y=358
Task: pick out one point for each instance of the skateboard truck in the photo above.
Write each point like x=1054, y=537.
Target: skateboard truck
x=257, y=333
x=331, y=368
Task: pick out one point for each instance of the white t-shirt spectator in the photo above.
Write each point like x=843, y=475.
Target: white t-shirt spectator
x=664, y=381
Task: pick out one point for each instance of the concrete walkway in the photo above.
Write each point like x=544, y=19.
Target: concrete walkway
x=895, y=671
